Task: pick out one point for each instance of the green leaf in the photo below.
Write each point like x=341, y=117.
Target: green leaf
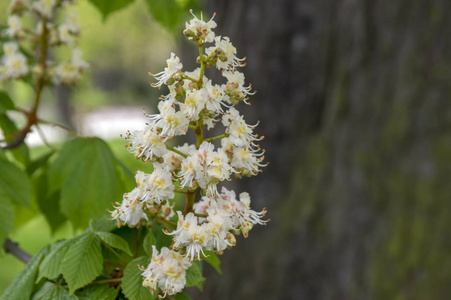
x=97, y=292
x=22, y=285
x=14, y=184
x=127, y=176
x=52, y=291
x=213, y=260
x=106, y=7
x=6, y=218
x=48, y=204
x=163, y=240
x=85, y=171
x=102, y=224
x=194, y=275
x=51, y=265
x=40, y=162
x=182, y=296
x=172, y=14
x=83, y=261
x=114, y=241
x=132, y=281
x=2, y=154
x=6, y=103
x=149, y=240
x=20, y=153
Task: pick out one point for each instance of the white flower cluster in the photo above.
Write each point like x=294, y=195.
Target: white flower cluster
x=14, y=63
x=194, y=102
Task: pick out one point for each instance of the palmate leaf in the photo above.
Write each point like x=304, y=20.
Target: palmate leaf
x=51, y=265
x=182, y=296
x=211, y=258
x=53, y=291
x=149, y=240
x=85, y=172
x=194, y=276
x=132, y=281
x=83, y=261
x=172, y=13
x=114, y=241
x=5, y=102
x=14, y=184
x=106, y=7
x=48, y=204
x=97, y=292
x=21, y=287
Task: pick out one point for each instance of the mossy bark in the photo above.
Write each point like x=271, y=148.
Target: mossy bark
x=354, y=99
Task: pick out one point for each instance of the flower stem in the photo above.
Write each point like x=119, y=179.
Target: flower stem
x=217, y=137
x=176, y=151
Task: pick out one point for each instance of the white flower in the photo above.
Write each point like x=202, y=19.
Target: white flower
x=173, y=161
x=190, y=235
x=166, y=271
x=146, y=143
x=17, y=5
x=218, y=225
x=66, y=73
x=77, y=59
x=71, y=21
x=45, y=7
x=243, y=218
x=195, y=74
x=171, y=122
x=174, y=65
x=130, y=211
x=64, y=34
x=229, y=51
x=10, y=48
x=200, y=28
x=240, y=133
x=160, y=184
x=190, y=167
x=245, y=158
x=194, y=102
x=14, y=25
x=216, y=95
x=236, y=84
x=15, y=65
x=217, y=164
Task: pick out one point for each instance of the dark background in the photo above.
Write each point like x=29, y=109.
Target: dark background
x=354, y=101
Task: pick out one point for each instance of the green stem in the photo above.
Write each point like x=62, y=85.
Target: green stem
x=113, y=280
x=176, y=151
x=190, y=198
x=190, y=78
x=217, y=137
x=202, y=67
x=163, y=220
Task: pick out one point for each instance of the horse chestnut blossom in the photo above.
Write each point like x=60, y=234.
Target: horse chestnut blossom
x=39, y=38
x=195, y=170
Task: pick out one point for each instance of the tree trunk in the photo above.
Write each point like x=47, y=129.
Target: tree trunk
x=353, y=98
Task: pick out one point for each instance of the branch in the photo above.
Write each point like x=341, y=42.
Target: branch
x=14, y=249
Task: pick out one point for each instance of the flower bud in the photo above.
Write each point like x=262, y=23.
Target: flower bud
x=177, y=76
x=189, y=33
x=170, y=81
x=231, y=86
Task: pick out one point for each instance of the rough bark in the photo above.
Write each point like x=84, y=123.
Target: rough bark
x=354, y=101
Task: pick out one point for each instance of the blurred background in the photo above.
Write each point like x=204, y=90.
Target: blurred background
x=354, y=102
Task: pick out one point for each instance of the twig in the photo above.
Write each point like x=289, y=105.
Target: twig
x=14, y=249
